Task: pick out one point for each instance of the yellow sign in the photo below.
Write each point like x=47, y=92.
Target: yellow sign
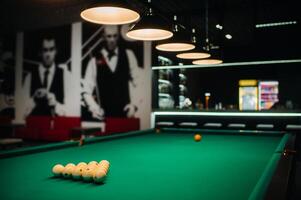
x=248, y=82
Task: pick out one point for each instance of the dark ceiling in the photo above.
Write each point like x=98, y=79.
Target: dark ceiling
x=238, y=17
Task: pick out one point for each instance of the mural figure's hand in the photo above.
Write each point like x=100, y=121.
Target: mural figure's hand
x=51, y=99
x=40, y=96
x=130, y=110
x=40, y=93
x=97, y=113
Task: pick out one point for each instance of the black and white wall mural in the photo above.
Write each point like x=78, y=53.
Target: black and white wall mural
x=46, y=66
x=82, y=70
x=7, y=78
x=112, y=68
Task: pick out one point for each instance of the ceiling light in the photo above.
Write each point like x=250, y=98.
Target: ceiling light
x=193, y=55
x=175, y=47
x=207, y=62
x=110, y=13
x=219, y=26
x=228, y=36
x=150, y=28
x=275, y=24
x=180, y=41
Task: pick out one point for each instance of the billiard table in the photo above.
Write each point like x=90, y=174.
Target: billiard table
x=167, y=164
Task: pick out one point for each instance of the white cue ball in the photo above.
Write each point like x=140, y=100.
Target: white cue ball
x=58, y=169
x=88, y=174
x=99, y=176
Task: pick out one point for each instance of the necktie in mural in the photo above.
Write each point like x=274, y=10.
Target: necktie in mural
x=45, y=83
x=111, y=54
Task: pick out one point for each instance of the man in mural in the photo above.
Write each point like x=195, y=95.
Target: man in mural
x=110, y=78
x=46, y=83
x=6, y=80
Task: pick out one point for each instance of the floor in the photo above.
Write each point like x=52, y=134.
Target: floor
x=296, y=191
x=296, y=194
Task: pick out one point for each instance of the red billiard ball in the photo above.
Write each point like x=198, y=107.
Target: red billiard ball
x=197, y=137
x=157, y=130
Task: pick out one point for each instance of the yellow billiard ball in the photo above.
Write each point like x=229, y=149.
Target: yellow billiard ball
x=197, y=137
x=58, y=169
x=99, y=175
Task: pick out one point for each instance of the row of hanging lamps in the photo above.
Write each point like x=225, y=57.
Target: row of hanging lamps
x=179, y=42
x=197, y=53
x=151, y=27
x=214, y=60
x=110, y=13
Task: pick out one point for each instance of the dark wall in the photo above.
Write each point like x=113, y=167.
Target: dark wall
x=18, y=15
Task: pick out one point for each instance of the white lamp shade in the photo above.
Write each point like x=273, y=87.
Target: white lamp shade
x=207, y=62
x=110, y=15
x=193, y=55
x=149, y=34
x=175, y=47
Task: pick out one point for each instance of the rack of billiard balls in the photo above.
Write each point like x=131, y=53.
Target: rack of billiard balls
x=93, y=171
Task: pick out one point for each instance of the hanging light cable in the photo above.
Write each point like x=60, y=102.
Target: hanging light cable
x=180, y=41
x=211, y=61
x=196, y=53
x=110, y=13
x=151, y=27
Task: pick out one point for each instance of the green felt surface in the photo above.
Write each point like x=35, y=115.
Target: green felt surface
x=150, y=166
